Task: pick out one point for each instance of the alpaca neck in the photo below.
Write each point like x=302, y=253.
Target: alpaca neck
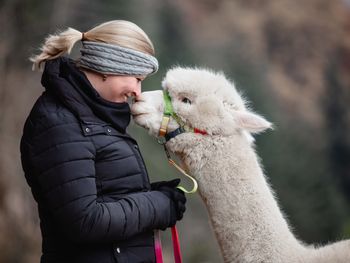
x=241, y=206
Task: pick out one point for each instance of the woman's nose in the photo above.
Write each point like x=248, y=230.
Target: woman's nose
x=137, y=90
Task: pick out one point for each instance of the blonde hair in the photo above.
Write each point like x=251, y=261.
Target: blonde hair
x=117, y=32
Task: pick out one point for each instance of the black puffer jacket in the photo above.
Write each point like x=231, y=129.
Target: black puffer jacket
x=87, y=175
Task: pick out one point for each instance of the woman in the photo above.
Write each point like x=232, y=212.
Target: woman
x=86, y=173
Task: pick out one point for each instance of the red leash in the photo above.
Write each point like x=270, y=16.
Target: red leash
x=176, y=246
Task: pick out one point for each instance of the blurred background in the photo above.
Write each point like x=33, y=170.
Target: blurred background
x=291, y=58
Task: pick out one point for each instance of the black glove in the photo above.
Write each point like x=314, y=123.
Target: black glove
x=173, y=183
x=177, y=197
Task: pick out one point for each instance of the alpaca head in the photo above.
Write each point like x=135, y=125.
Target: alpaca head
x=202, y=99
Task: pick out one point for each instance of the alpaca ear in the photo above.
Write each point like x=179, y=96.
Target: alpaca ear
x=252, y=122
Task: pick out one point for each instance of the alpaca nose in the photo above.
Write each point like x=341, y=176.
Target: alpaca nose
x=140, y=97
x=137, y=98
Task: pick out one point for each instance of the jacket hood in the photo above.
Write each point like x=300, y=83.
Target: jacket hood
x=63, y=79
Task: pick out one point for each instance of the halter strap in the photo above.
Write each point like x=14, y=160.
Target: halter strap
x=174, y=133
x=169, y=112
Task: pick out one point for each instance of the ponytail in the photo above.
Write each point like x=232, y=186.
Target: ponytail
x=55, y=46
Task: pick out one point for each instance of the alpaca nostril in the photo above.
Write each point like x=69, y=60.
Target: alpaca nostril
x=139, y=97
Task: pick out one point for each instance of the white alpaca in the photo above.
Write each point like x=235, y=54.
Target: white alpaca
x=244, y=214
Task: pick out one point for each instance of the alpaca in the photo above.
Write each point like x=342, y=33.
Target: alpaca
x=244, y=214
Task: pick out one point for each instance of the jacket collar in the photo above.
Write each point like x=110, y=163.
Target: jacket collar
x=65, y=81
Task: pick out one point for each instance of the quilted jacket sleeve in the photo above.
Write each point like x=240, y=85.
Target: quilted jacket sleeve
x=59, y=163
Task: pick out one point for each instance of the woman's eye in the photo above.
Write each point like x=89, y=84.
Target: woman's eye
x=186, y=100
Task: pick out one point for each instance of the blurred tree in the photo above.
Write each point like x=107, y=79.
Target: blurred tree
x=338, y=117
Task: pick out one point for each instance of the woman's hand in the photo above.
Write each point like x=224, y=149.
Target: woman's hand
x=177, y=197
x=172, y=183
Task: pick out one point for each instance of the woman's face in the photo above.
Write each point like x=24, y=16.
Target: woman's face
x=120, y=88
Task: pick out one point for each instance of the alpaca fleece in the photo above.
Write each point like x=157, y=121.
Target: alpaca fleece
x=243, y=210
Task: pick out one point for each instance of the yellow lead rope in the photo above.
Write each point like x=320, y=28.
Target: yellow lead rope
x=172, y=162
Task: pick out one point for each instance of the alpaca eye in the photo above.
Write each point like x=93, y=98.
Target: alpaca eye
x=186, y=100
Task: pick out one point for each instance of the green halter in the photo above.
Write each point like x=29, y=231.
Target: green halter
x=169, y=112
x=168, y=107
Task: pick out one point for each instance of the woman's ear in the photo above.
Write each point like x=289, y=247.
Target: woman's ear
x=251, y=122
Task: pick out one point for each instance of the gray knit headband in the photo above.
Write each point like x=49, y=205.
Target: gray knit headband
x=116, y=60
